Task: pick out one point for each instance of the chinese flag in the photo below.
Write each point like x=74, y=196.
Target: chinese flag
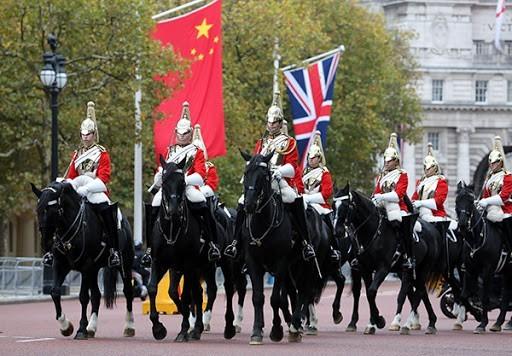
x=196, y=37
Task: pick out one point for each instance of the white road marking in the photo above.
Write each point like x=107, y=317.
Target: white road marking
x=363, y=294
x=36, y=340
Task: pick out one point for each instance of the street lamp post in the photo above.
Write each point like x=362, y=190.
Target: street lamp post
x=54, y=78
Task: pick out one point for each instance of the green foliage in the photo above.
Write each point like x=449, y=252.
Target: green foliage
x=105, y=43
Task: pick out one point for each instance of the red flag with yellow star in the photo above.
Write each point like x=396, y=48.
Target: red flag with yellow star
x=196, y=38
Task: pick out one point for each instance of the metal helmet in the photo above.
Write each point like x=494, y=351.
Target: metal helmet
x=184, y=125
x=316, y=149
x=197, y=139
x=430, y=161
x=284, y=128
x=392, y=152
x=497, y=154
x=89, y=125
x=275, y=112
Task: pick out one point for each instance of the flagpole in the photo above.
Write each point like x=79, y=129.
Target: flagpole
x=277, y=58
x=341, y=49
x=181, y=7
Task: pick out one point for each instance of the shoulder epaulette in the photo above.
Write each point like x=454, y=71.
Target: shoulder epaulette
x=102, y=149
x=324, y=169
x=209, y=164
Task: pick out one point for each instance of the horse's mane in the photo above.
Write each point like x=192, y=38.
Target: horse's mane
x=366, y=205
x=254, y=163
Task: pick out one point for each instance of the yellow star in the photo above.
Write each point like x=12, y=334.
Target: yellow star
x=216, y=39
x=203, y=28
x=200, y=57
x=210, y=51
x=193, y=51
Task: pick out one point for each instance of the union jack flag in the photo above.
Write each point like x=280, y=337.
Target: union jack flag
x=310, y=90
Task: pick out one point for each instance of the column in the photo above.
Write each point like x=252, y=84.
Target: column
x=409, y=162
x=463, y=162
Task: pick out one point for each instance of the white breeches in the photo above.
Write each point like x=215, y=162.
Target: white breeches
x=95, y=197
x=393, y=211
x=495, y=213
x=288, y=194
x=207, y=191
x=193, y=195
x=320, y=209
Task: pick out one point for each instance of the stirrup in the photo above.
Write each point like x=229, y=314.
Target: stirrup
x=231, y=251
x=47, y=259
x=408, y=264
x=308, y=252
x=145, y=260
x=335, y=255
x=113, y=259
x=213, y=253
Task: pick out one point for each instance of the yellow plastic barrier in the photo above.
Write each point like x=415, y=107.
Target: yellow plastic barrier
x=164, y=303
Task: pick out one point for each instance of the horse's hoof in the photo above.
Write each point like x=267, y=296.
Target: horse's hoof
x=229, y=332
x=431, y=330
x=370, y=330
x=381, y=322
x=277, y=333
x=394, y=327
x=351, y=329
x=495, y=328
x=159, y=331
x=479, y=330
x=256, y=340
x=91, y=334
x=457, y=327
x=68, y=331
x=404, y=330
x=508, y=326
x=80, y=335
x=238, y=329
x=129, y=332
x=416, y=327
x=337, y=317
x=182, y=337
x=311, y=330
x=195, y=335
x=294, y=336
x=207, y=327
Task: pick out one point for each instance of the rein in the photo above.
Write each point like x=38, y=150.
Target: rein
x=182, y=223
x=64, y=242
x=274, y=222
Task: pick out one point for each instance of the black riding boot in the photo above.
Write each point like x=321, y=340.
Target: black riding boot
x=210, y=230
x=109, y=216
x=335, y=254
x=151, y=216
x=507, y=233
x=231, y=250
x=299, y=221
x=406, y=231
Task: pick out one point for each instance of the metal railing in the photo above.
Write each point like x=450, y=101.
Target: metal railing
x=26, y=276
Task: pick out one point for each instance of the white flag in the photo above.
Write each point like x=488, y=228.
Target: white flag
x=500, y=14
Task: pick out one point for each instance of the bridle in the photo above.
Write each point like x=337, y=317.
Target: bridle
x=469, y=214
x=182, y=214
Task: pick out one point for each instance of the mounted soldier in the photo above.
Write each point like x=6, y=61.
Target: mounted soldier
x=286, y=172
x=318, y=188
x=390, y=189
x=497, y=192
x=89, y=173
x=195, y=179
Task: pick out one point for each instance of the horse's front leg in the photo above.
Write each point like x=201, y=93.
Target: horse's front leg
x=372, y=286
x=258, y=299
x=196, y=293
x=186, y=300
x=174, y=289
x=276, y=333
x=211, y=293
x=505, y=298
x=95, y=307
x=241, y=290
x=229, y=329
x=339, y=279
x=356, y=295
x=405, y=287
x=129, y=320
x=157, y=272
x=484, y=297
x=59, y=273
x=81, y=333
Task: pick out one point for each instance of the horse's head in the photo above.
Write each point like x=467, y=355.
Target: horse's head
x=257, y=180
x=343, y=207
x=464, y=205
x=173, y=186
x=49, y=207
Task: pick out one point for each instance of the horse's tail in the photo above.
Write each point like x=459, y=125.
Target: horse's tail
x=434, y=278
x=109, y=286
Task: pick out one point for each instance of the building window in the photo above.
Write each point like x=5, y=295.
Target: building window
x=509, y=91
x=437, y=90
x=481, y=91
x=481, y=49
x=433, y=138
x=508, y=48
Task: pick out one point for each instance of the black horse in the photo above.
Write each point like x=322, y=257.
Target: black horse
x=375, y=245
x=178, y=245
x=483, y=256
x=72, y=230
x=268, y=246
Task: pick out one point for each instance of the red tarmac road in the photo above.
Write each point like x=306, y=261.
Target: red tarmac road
x=31, y=329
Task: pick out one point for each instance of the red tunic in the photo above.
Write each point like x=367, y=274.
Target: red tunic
x=326, y=188
x=291, y=156
x=505, y=193
x=212, y=178
x=102, y=172
x=400, y=189
x=440, y=195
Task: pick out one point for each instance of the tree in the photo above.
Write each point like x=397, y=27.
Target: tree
x=106, y=43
